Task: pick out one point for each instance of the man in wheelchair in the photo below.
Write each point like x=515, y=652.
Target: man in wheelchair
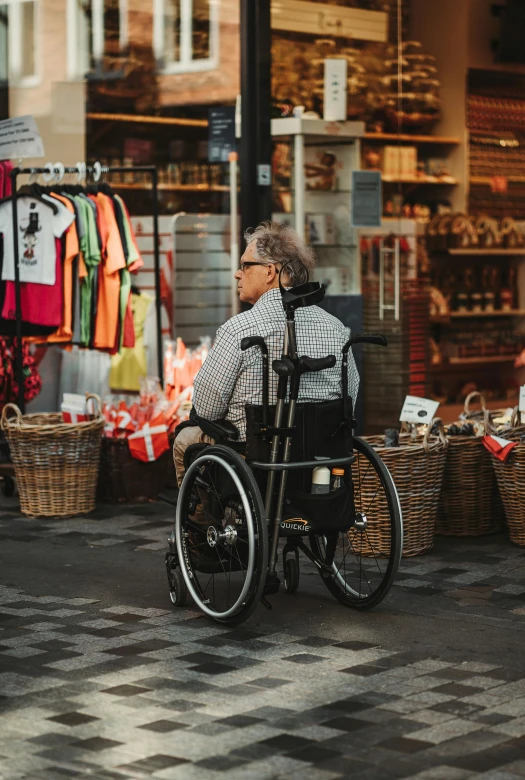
x=225, y=546
x=232, y=378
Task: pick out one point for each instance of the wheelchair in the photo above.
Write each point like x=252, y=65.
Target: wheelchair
x=226, y=544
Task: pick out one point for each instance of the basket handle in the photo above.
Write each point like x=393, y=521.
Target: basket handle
x=97, y=405
x=470, y=397
x=17, y=415
x=441, y=433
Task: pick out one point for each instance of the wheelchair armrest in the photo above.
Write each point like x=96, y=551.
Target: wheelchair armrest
x=218, y=429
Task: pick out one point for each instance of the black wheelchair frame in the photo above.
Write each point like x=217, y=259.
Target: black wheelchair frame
x=230, y=541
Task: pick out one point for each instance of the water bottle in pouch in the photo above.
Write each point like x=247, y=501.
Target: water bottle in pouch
x=321, y=480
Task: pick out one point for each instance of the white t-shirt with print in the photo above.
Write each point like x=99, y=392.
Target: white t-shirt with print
x=38, y=226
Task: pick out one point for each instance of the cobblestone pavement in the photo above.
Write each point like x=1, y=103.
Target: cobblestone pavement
x=101, y=678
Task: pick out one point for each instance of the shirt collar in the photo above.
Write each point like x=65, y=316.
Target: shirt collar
x=270, y=296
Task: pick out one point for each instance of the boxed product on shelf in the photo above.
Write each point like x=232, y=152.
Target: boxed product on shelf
x=399, y=161
x=320, y=229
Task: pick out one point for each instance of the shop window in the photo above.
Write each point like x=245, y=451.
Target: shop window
x=185, y=35
x=18, y=43
x=97, y=37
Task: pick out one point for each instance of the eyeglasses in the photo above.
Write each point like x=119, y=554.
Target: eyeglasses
x=244, y=266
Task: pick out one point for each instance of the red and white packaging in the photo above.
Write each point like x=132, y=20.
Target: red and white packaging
x=150, y=441
x=74, y=408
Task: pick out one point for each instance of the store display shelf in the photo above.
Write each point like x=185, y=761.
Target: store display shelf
x=486, y=252
x=457, y=362
x=448, y=181
x=328, y=192
x=488, y=179
x=173, y=187
x=416, y=139
x=152, y=120
x=444, y=318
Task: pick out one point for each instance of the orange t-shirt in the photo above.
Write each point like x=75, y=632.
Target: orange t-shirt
x=113, y=259
x=72, y=249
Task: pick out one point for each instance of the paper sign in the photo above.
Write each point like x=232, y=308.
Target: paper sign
x=367, y=206
x=19, y=138
x=221, y=133
x=418, y=410
x=522, y=399
x=335, y=90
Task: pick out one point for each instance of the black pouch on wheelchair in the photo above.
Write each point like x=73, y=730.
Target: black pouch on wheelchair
x=318, y=432
x=325, y=512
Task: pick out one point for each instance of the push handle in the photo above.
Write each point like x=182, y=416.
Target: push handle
x=283, y=367
x=308, y=364
x=366, y=338
x=254, y=341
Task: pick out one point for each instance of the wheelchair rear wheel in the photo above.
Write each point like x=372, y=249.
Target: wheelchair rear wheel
x=221, y=535
x=367, y=556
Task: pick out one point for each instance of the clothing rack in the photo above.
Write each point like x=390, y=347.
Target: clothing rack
x=82, y=170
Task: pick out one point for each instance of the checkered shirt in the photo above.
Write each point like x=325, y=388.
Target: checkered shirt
x=229, y=378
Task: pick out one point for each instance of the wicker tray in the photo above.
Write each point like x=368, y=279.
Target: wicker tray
x=470, y=504
x=56, y=463
x=417, y=470
x=124, y=479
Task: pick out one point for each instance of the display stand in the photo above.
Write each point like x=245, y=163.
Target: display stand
x=81, y=170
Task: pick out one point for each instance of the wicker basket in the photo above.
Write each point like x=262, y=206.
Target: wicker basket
x=417, y=470
x=124, y=479
x=470, y=504
x=56, y=463
x=510, y=477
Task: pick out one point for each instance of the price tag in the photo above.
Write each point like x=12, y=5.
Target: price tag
x=418, y=410
x=521, y=405
x=19, y=138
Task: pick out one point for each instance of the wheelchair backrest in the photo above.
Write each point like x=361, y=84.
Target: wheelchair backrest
x=318, y=432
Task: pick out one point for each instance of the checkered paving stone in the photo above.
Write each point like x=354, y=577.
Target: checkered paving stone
x=113, y=691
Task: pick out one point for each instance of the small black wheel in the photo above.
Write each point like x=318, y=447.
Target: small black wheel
x=291, y=575
x=178, y=589
x=8, y=487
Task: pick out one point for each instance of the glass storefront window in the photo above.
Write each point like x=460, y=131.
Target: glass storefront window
x=99, y=36
x=185, y=34
x=22, y=42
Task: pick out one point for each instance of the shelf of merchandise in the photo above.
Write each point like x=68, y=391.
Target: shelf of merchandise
x=444, y=318
x=173, y=187
x=152, y=120
x=471, y=361
x=416, y=139
x=449, y=181
x=485, y=252
x=488, y=179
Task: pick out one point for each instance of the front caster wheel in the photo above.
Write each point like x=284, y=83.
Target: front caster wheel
x=291, y=575
x=178, y=589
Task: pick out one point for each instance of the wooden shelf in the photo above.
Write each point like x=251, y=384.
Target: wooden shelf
x=417, y=139
x=173, y=187
x=450, y=181
x=456, y=315
x=153, y=120
x=488, y=179
x=472, y=361
x=486, y=252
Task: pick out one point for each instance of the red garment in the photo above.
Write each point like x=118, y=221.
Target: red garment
x=40, y=304
x=129, y=328
x=499, y=447
x=8, y=383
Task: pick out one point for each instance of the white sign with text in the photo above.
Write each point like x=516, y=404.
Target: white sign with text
x=418, y=410
x=20, y=138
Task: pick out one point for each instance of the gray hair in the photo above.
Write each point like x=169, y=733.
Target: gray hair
x=282, y=245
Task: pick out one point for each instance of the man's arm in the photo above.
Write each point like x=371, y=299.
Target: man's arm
x=215, y=382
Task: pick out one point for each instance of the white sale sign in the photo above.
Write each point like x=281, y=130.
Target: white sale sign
x=418, y=410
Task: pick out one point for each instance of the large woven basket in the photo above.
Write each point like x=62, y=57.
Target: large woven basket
x=417, y=469
x=511, y=483
x=470, y=504
x=56, y=463
x=124, y=479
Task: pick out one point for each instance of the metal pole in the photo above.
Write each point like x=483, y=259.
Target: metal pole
x=299, y=184
x=234, y=230
x=158, y=302
x=19, y=356
x=256, y=141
